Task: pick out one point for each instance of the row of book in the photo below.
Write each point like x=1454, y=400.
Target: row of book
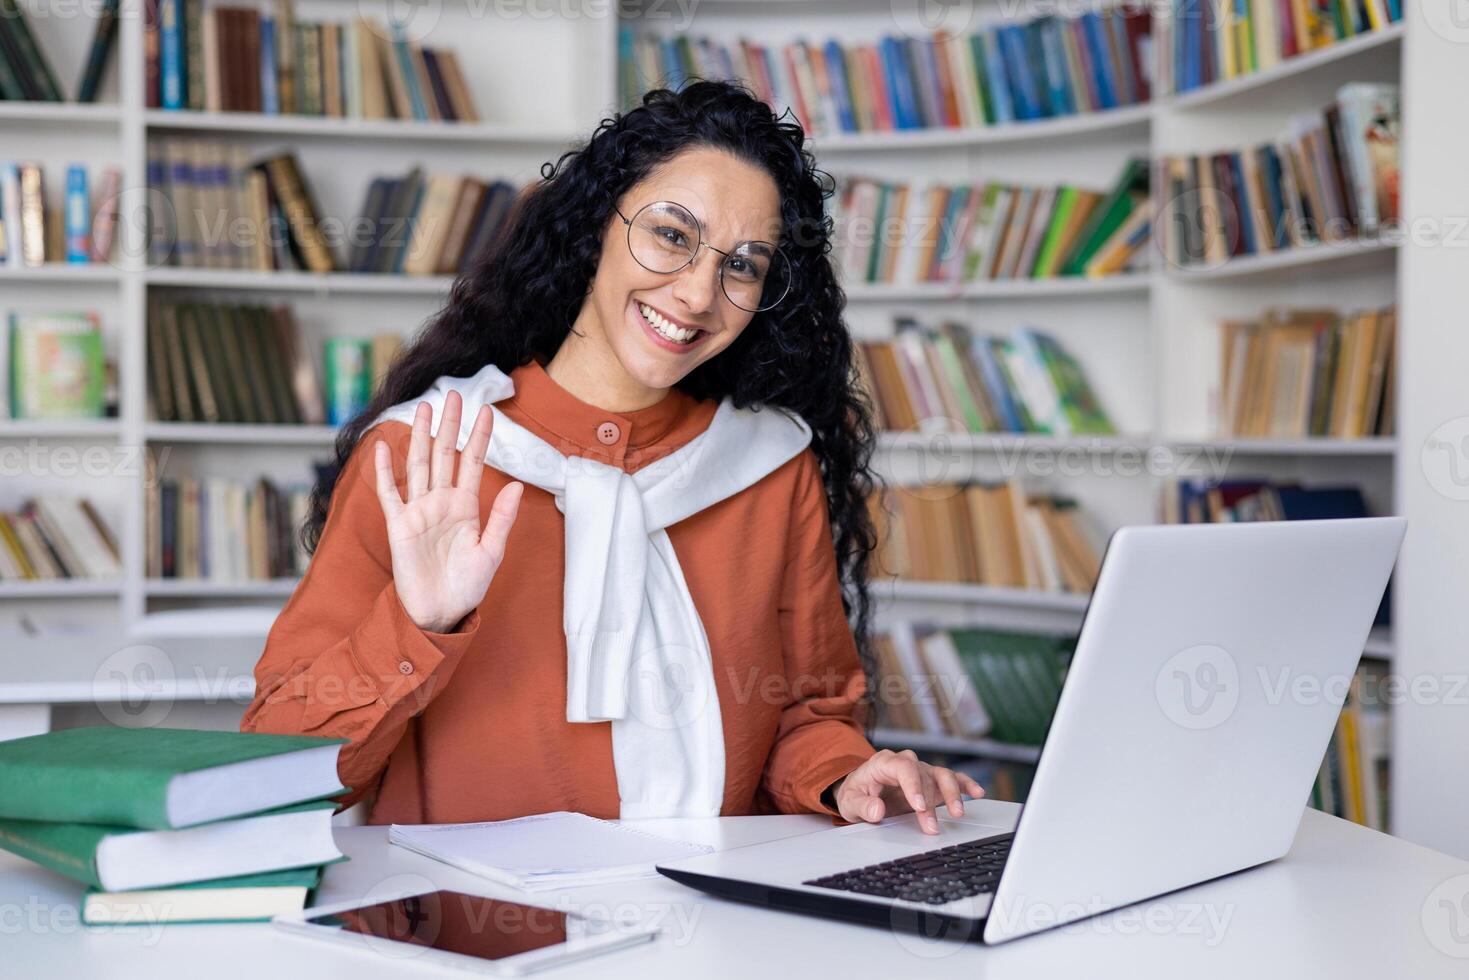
x=33, y=233
x=969, y=683
x=1356, y=771
x=118, y=810
x=220, y=530
x=994, y=535
x=26, y=73
x=1332, y=176
x=906, y=232
x=1214, y=42
x=223, y=209
x=953, y=379
x=57, y=537
x=1292, y=373
x=253, y=58
x=251, y=363
x=54, y=366
x=1047, y=67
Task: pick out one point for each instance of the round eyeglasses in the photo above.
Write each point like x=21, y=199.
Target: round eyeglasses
x=664, y=237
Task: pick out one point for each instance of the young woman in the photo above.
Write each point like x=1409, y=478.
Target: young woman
x=591, y=547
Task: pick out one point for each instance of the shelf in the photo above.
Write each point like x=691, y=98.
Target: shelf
x=61, y=589
x=911, y=590
x=303, y=282
x=1285, y=260
x=1120, y=121
x=62, y=113
x=1384, y=446
x=999, y=289
x=325, y=127
x=99, y=429
x=893, y=738
x=984, y=442
x=56, y=272
x=206, y=588
x=235, y=434
x=1301, y=64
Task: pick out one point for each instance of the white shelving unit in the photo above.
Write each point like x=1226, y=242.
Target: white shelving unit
x=1146, y=340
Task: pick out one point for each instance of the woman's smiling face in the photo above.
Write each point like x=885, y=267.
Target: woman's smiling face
x=734, y=202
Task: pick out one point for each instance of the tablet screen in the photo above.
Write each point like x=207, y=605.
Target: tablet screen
x=454, y=922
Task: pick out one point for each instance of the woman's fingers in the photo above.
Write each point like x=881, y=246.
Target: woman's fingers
x=970, y=786
x=387, y=487
x=904, y=770
x=418, y=445
x=446, y=442
x=502, y=516
x=472, y=464
x=948, y=784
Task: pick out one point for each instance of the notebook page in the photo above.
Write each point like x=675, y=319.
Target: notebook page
x=547, y=843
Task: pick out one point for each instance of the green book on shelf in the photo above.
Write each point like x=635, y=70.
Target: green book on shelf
x=1130, y=188
x=958, y=381
x=57, y=366
x=128, y=858
x=161, y=777
x=242, y=898
x=1060, y=217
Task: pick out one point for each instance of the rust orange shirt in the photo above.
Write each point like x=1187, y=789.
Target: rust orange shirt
x=471, y=725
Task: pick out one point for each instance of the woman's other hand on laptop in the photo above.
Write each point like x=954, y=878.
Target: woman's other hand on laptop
x=890, y=783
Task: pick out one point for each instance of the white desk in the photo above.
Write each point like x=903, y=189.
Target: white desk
x=1345, y=903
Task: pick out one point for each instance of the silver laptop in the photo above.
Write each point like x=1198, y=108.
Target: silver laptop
x=1205, y=686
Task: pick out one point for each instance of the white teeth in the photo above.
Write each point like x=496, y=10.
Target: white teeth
x=664, y=327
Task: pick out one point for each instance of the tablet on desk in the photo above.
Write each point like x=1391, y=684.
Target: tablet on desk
x=471, y=932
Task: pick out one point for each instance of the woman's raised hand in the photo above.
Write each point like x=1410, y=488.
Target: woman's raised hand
x=442, y=563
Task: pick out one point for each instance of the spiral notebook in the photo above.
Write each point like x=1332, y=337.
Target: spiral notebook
x=547, y=850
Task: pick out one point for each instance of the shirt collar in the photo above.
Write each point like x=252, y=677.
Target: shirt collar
x=625, y=439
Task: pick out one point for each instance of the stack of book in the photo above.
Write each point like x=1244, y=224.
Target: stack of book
x=988, y=535
x=1294, y=373
x=57, y=537
x=951, y=380
x=171, y=825
x=969, y=683
x=1214, y=42
x=1332, y=177
x=53, y=366
x=25, y=72
x=1047, y=67
x=245, y=58
x=902, y=233
x=429, y=224
x=33, y=233
x=220, y=530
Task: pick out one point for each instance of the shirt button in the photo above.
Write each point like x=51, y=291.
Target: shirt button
x=608, y=433
x=405, y=668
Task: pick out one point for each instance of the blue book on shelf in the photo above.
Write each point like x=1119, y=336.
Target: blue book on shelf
x=1022, y=81
x=410, y=77
x=1394, y=10
x=895, y=66
x=270, y=96
x=171, y=54
x=1002, y=99
x=1058, y=79
x=1270, y=173
x=1126, y=90
x=1096, y=43
x=926, y=88
x=836, y=70
x=1035, y=63
x=995, y=384
x=955, y=207
x=1247, y=230
x=672, y=67
x=78, y=215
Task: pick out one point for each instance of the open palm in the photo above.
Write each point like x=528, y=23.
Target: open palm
x=443, y=562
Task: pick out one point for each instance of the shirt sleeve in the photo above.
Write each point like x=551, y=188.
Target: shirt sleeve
x=820, y=737
x=344, y=659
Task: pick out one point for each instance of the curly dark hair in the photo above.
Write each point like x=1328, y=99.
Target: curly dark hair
x=524, y=290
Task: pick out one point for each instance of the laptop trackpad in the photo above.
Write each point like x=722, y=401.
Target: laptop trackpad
x=905, y=830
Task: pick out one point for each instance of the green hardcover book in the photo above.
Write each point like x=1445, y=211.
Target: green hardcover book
x=986, y=97
x=127, y=858
x=996, y=688
x=1130, y=188
x=348, y=378
x=57, y=366
x=1078, y=400
x=1060, y=216
x=242, y=898
x=879, y=247
x=161, y=778
x=958, y=381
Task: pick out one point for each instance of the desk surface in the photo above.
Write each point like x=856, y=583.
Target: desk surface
x=1346, y=902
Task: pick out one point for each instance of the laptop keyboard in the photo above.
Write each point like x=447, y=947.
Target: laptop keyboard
x=933, y=877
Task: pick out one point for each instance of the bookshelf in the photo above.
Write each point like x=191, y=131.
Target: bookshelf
x=1145, y=339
